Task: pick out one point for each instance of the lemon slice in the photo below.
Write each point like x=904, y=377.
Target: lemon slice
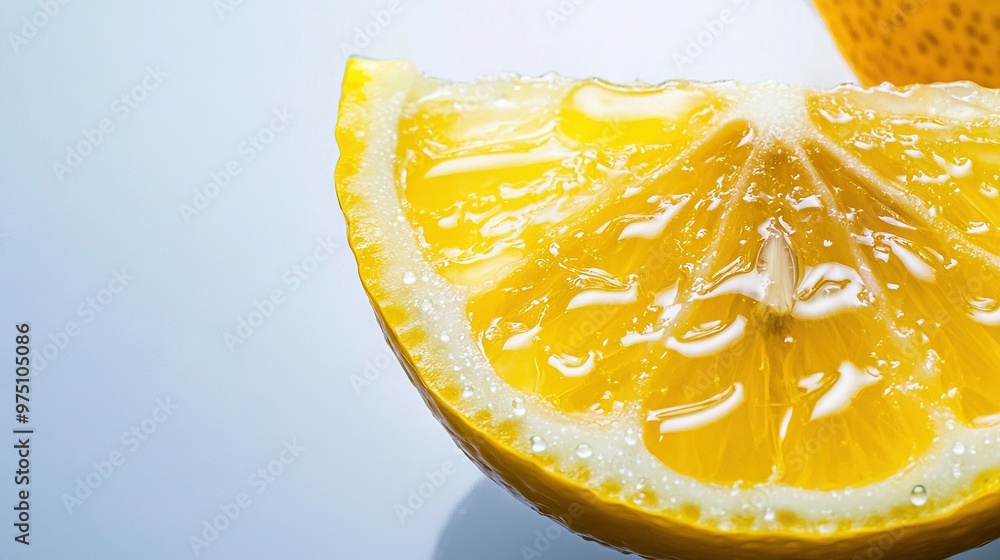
x=696, y=320
x=918, y=41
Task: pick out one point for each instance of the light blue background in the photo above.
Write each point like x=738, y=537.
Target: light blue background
x=162, y=335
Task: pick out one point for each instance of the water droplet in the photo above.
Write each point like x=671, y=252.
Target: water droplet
x=468, y=392
x=409, y=278
x=958, y=448
x=769, y=515
x=630, y=437
x=518, y=406
x=918, y=496
x=444, y=337
x=538, y=444
x=584, y=451
x=642, y=498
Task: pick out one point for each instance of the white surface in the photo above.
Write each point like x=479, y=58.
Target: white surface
x=162, y=336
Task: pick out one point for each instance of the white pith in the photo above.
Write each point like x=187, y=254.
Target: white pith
x=437, y=308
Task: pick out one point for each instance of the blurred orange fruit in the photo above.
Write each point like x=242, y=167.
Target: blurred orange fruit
x=917, y=41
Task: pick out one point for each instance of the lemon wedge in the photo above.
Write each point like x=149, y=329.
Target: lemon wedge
x=696, y=320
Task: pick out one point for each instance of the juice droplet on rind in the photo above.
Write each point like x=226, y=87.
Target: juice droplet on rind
x=518, y=405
